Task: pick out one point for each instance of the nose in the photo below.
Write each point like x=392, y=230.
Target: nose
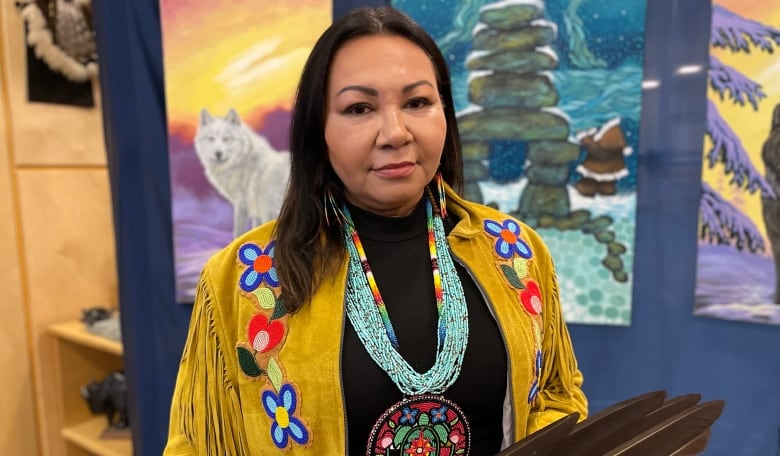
x=394, y=132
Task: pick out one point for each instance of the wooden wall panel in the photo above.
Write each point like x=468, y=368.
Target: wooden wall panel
x=17, y=415
x=16, y=383
x=56, y=242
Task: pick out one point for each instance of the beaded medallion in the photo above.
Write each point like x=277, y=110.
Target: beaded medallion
x=426, y=424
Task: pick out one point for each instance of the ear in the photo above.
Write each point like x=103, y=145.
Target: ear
x=776, y=118
x=205, y=117
x=232, y=117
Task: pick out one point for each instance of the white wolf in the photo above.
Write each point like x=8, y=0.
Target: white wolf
x=243, y=167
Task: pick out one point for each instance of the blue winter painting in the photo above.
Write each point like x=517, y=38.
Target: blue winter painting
x=548, y=95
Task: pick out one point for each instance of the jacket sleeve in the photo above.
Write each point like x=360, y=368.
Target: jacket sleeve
x=206, y=416
x=560, y=391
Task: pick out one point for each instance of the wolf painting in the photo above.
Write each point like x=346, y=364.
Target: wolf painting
x=243, y=167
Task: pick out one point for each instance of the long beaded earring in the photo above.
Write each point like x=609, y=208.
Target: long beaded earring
x=330, y=206
x=442, y=197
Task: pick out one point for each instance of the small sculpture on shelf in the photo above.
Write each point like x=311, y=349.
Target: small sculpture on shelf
x=93, y=315
x=103, y=322
x=110, y=398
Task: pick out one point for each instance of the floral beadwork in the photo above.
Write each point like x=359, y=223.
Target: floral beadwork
x=264, y=335
x=281, y=409
x=258, y=356
x=531, y=298
x=261, y=266
x=514, y=257
x=409, y=416
x=421, y=444
x=439, y=415
x=508, y=242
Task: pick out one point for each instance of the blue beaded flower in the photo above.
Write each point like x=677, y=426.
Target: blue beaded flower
x=509, y=241
x=261, y=266
x=439, y=415
x=408, y=416
x=281, y=409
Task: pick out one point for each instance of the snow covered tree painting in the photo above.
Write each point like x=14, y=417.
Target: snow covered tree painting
x=739, y=226
x=548, y=97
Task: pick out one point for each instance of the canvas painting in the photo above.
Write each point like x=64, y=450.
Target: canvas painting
x=231, y=69
x=738, y=265
x=548, y=95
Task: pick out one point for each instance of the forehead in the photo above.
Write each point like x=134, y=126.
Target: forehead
x=377, y=58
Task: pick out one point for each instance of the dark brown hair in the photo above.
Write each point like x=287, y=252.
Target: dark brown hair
x=308, y=248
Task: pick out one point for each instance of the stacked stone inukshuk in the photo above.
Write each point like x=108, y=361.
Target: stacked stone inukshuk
x=513, y=99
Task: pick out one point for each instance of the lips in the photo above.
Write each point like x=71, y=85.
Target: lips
x=401, y=169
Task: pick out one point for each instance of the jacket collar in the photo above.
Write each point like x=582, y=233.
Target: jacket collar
x=469, y=225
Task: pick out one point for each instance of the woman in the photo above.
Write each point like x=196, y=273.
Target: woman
x=381, y=313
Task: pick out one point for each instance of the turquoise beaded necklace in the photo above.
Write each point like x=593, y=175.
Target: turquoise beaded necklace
x=366, y=310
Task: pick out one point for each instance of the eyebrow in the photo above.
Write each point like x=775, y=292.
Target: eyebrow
x=373, y=93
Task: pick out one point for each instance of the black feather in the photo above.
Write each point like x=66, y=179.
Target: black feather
x=642, y=426
x=696, y=446
x=669, y=408
x=631, y=426
x=672, y=434
x=604, y=430
x=543, y=441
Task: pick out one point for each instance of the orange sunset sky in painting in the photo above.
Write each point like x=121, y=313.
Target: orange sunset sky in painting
x=244, y=54
x=751, y=126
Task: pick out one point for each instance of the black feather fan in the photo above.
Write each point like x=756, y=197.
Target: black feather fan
x=647, y=425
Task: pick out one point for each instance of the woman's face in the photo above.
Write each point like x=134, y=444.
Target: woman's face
x=385, y=126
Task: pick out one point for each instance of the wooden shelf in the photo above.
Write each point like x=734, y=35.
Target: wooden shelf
x=76, y=332
x=87, y=435
x=79, y=357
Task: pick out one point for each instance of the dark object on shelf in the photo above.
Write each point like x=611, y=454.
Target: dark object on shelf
x=110, y=398
x=647, y=425
x=103, y=322
x=94, y=314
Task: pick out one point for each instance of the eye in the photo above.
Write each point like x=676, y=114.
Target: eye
x=417, y=103
x=357, y=109
x=227, y=139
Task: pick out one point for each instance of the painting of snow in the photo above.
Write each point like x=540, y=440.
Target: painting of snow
x=738, y=265
x=548, y=95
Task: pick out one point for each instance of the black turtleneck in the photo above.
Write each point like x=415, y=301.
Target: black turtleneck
x=397, y=252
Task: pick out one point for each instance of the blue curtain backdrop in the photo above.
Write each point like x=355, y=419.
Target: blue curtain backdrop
x=665, y=348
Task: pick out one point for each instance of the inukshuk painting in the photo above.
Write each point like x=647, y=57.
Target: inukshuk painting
x=231, y=70
x=548, y=97
x=738, y=269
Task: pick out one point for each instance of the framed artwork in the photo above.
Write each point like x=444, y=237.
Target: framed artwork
x=548, y=95
x=738, y=264
x=61, y=51
x=231, y=70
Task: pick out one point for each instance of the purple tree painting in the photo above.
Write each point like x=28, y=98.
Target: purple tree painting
x=723, y=226
x=721, y=222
